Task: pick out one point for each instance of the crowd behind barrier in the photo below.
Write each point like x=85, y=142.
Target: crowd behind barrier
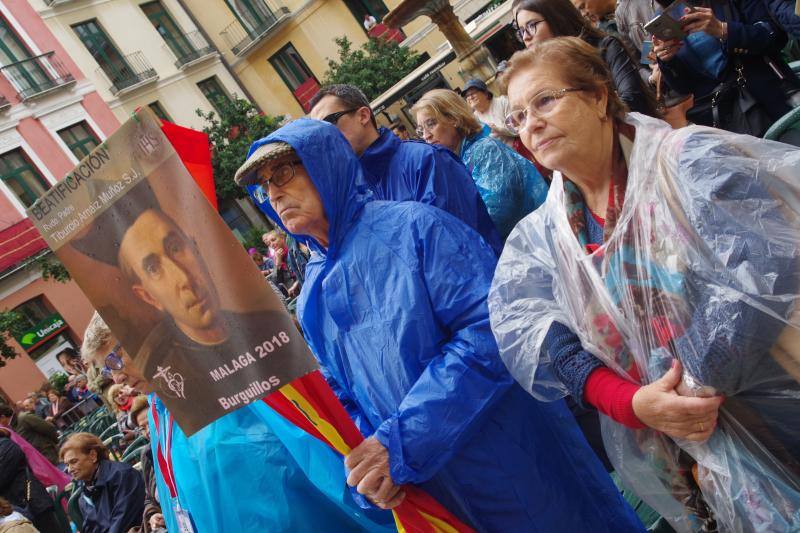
x=567, y=306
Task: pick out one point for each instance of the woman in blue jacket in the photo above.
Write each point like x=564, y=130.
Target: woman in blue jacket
x=394, y=308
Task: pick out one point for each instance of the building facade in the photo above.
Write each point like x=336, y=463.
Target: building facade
x=51, y=116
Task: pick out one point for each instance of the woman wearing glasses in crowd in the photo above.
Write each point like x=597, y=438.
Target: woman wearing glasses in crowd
x=509, y=184
x=658, y=281
x=539, y=20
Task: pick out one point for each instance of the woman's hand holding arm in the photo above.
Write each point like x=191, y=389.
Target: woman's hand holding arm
x=659, y=406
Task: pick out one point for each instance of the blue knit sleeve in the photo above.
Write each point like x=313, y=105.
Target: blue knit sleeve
x=572, y=364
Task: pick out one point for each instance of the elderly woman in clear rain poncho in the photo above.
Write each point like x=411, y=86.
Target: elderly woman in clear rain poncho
x=658, y=283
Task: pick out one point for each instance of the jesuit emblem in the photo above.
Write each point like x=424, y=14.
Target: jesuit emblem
x=173, y=380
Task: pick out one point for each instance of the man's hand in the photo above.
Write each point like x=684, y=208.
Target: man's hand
x=157, y=521
x=369, y=473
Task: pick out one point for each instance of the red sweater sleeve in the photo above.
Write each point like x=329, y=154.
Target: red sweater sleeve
x=612, y=396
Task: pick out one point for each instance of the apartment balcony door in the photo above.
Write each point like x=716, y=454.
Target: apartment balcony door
x=254, y=15
x=168, y=29
x=104, y=52
x=13, y=55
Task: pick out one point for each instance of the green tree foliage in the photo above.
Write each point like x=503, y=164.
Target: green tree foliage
x=12, y=324
x=59, y=381
x=231, y=132
x=373, y=68
x=51, y=268
x=252, y=239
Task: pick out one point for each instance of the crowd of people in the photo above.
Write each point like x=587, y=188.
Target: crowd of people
x=580, y=289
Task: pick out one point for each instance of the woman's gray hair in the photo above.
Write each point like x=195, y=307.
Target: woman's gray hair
x=97, y=336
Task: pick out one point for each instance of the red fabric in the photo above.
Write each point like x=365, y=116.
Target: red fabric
x=612, y=396
x=18, y=242
x=195, y=152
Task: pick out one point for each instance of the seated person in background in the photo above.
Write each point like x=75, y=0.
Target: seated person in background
x=120, y=398
x=264, y=264
x=490, y=109
x=40, y=434
x=80, y=389
x=510, y=185
x=113, y=492
x=287, y=260
x=58, y=406
x=12, y=521
x=22, y=489
x=399, y=129
x=402, y=170
x=152, y=520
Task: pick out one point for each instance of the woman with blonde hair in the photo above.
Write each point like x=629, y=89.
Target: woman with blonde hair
x=659, y=279
x=509, y=184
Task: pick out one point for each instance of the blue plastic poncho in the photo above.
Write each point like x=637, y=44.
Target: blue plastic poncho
x=395, y=311
x=414, y=170
x=250, y=470
x=509, y=184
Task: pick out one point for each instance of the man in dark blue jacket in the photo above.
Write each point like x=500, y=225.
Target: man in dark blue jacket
x=404, y=170
x=786, y=14
x=113, y=492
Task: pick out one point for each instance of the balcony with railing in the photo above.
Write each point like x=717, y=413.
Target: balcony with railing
x=188, y=48
x=37, y=75
x=242, y=37
x=128, y=73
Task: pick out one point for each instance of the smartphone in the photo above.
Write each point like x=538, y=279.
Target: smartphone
x=667, y=25
x=647, y=47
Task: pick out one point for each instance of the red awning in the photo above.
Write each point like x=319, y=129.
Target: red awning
x=19, y=242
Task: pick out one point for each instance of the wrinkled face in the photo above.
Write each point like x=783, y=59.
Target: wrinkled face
x=297, y=202
x=478, y=100
x=81, y=466
x=276, y=242
x=538, y=31
x=141, y=423
x=128, y=374
x=574, y=125
x=438, y=131
x=355, y=125
x=171, y=275
x=29, y=404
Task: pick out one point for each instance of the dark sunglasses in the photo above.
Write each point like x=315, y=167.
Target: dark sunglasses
x=333, y=118
x=114, y=360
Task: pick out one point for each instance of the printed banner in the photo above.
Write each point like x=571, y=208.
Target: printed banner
x=187, y=304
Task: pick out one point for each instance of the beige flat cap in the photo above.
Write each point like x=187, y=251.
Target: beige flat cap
x=247, y=173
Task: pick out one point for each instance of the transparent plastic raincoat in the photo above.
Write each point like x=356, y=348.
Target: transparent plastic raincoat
x=703, y=265
x=395, y=311
x=253, y=471
x=509, y=184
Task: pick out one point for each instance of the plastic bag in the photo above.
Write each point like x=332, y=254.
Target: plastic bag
x=703, y=265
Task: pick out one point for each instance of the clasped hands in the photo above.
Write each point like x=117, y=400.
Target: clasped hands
x=369, y=474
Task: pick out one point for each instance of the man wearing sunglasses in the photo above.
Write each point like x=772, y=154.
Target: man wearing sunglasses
x=403, y=170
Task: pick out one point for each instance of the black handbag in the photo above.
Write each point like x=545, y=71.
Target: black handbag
x=731, y=106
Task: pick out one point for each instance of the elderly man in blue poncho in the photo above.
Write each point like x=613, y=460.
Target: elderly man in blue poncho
x=394, y=308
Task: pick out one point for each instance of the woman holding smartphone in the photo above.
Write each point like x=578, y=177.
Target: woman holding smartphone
x=730, y=61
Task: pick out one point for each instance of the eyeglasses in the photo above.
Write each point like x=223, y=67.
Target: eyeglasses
x=529, y=29
x=428, y=125
x=333, y=118
x=541, y=105
x=114, y=360
x=280, y=177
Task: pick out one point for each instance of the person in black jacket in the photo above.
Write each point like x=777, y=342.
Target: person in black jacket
x=784, y=14
x=538, y=20
x=113, y=492
x=20, y=487
x=728, y=41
